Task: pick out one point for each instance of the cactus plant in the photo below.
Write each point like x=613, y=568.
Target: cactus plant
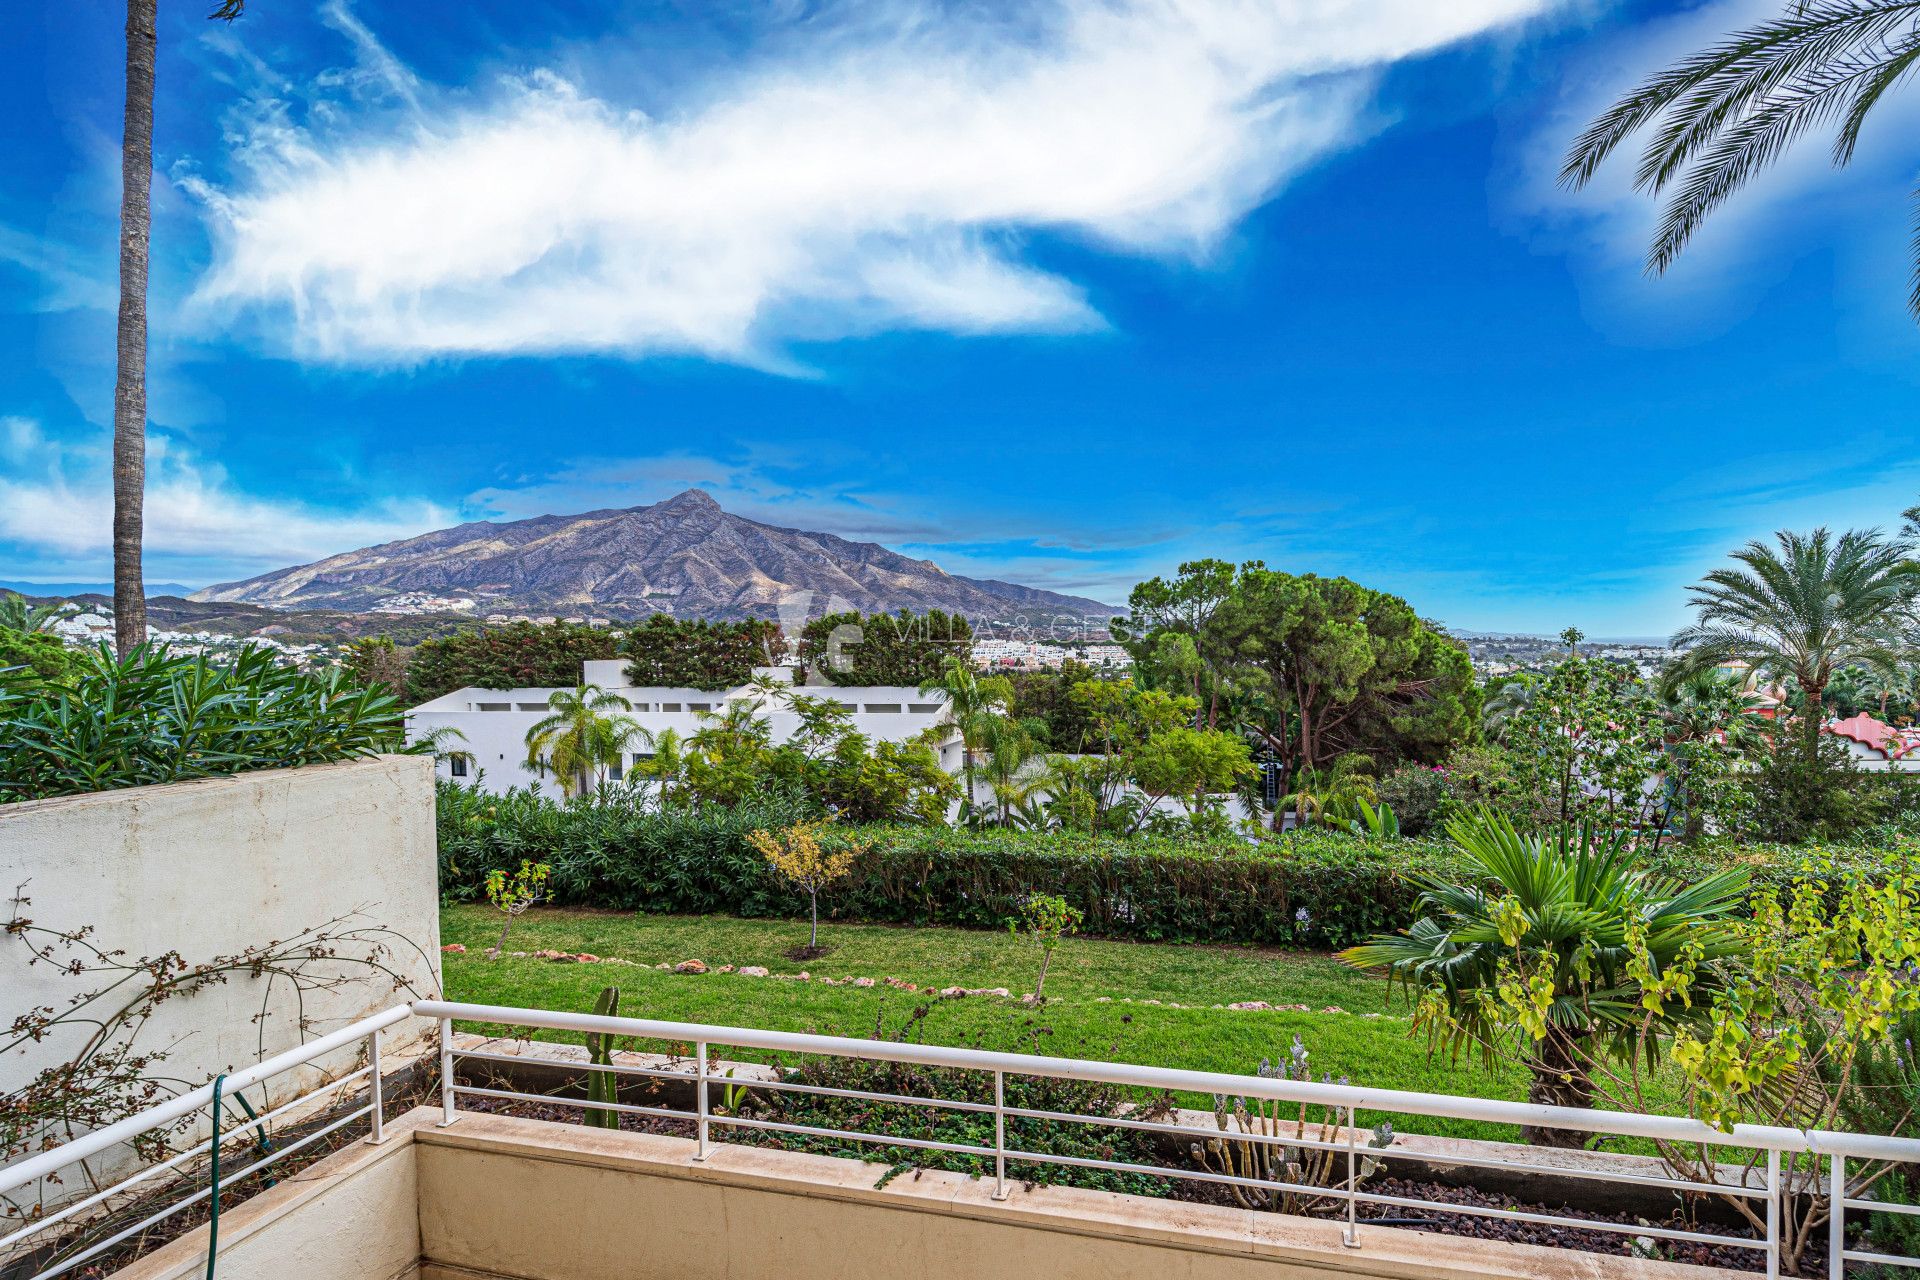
x=603, y=1086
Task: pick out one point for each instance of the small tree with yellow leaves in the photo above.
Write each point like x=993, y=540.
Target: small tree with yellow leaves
x=798, y=857
x=511, y=895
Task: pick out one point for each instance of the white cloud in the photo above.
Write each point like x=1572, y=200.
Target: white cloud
x=56, y=505
x=858, y=173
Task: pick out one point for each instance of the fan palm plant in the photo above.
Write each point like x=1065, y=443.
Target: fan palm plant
x=1803, y=610
x=1541, y=954
x=582, y=735
x=1719, y=117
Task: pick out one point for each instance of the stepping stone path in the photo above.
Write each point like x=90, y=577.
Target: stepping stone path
x=699, y=967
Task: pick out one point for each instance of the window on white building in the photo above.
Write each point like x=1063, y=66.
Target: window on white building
x=457, y=767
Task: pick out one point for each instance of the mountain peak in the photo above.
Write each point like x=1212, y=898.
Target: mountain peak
x=695, y=561
x=689, y=500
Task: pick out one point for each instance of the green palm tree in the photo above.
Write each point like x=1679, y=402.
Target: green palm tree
x=17, y=615
x=582, y=735
x=1570, y=898
x=1803, y=611
x=976, y=707
x=1497, y=713
x=1698, y=704
x=1719, y=117
x=1330, y=795
x=1015, y=767
x=665, y=762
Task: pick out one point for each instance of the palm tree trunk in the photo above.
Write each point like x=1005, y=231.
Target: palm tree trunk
x=1560, y=1079
x=130, y=385
x=1816, y=713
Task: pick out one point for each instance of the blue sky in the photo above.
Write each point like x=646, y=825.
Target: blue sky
x=1062, y=292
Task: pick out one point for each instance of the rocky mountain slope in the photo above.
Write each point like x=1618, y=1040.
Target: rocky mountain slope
x=684, y=556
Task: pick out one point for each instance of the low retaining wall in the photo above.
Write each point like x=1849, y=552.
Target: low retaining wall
x=210, y=868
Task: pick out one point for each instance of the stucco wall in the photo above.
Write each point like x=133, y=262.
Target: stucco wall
x=355, y=1216
x=519, y=1198
x=213, y=867
x=496, y=1198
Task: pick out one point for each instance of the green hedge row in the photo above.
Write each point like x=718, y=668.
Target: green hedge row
x=1316, y=889
x=1313, y=889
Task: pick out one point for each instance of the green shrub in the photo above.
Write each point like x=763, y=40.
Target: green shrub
x=37, y=654
x=608, y=850
x=517, y=655
x=1320, y=889
x=1418, y=796
x=1312, y=888
x=160, y=717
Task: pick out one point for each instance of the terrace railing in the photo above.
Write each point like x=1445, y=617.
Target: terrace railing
x=1764, y=1146
x=141, y=1188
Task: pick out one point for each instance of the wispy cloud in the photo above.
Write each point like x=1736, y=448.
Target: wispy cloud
x=56, y=507
x=863, y=169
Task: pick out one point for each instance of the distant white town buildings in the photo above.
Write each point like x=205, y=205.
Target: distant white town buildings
x=1030, y=655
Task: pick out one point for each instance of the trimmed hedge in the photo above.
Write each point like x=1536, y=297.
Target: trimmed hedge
x=1316, y=889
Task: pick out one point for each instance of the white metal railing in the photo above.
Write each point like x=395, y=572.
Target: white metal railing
x=61, y=1159
x=1345, y=1102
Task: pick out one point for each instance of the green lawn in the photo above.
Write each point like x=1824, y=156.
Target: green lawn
x=1074, y=1022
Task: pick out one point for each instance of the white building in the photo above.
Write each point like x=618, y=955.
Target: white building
x=493, y=723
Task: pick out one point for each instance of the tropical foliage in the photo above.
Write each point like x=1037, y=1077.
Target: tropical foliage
x=1564, y=953
x=1804, y=609
x=155, y=716
x=1718, y=118
x=976, y=705
x=732, y=759
x=17, y=615
x=584, y=734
